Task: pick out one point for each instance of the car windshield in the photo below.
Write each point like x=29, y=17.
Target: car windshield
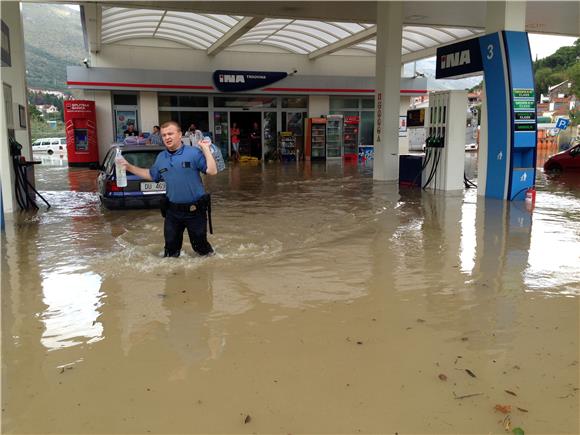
x=143, y=159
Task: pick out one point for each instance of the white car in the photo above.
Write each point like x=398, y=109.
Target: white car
x=50, y=145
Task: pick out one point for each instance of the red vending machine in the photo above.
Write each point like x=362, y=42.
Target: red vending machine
x=81, y=132
x=350, y=137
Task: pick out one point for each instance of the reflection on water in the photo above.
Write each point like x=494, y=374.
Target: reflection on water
x=331, y=298
x=73, y=302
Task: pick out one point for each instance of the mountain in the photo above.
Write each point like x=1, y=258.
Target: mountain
x=53, y=39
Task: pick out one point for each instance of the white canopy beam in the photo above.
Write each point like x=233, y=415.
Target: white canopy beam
x=344, y=43
x=93, y=18
x=244, y=25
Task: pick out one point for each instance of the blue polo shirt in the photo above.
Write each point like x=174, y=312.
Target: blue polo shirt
x=180, y=171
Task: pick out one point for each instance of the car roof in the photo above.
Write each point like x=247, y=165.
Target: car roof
x=132, y=148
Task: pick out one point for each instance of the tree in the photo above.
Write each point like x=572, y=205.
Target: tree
x=34, y=112
x=573, y=74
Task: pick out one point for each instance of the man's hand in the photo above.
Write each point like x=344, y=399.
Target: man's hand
x=204, y=144
x=124, y=163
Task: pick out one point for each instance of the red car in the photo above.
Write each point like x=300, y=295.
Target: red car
x=568, y=160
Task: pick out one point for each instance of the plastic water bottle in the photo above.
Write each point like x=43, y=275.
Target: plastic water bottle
x=197, y=137
x=217, y=155
x=120, y=172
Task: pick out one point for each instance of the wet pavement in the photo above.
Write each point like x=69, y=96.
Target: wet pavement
x=335, y=304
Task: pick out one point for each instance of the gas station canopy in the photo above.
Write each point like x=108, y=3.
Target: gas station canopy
x=313, y=29
x=313, y=38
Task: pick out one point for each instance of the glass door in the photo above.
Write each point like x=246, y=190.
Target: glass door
x=221, y=132
x=269, y=130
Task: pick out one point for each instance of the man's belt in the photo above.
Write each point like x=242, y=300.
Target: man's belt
x=203, y=204
x=183, y=207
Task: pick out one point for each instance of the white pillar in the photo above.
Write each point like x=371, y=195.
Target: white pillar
x=387, y=93
x=13, y=76
x=505, y=15
x=318, y=105
x=500, y=15
x=149, y=111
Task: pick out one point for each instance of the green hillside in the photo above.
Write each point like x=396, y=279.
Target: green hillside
x=53, y=39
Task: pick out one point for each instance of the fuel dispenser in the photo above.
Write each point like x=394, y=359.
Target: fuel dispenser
x=443, y=165
x=81, y=132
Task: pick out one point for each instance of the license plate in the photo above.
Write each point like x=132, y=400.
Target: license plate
x=153, y=187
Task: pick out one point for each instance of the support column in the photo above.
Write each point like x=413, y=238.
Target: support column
x=148, y=104
x=500, y=15
x=387, y=92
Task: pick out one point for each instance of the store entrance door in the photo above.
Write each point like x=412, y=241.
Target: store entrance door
x=250, y=126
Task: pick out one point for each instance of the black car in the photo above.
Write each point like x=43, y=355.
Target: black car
x=139, y=193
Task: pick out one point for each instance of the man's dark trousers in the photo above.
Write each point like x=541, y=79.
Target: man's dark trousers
x=176, y=221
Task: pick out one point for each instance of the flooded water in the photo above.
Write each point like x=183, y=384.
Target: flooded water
x=335, y=304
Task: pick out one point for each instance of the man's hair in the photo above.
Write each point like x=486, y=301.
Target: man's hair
x=157, y=127
x=168, y=123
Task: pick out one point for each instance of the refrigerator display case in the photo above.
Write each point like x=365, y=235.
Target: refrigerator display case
x=316, y=139
x=334, y=136
x=350, y=137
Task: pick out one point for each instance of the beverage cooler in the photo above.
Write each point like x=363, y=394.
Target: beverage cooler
x=81, y=132
x=334, y=136
x=316, y=139
x=350, y=137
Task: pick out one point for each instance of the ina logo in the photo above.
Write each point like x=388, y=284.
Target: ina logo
x=455, y=59
x=231, y=78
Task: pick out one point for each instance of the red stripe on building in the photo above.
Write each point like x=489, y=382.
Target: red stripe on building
x=138, y=85
x=149, y=85
x=346, y=90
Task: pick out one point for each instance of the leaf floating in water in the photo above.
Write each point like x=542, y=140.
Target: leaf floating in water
x=510, y=392
x=518, y=431
x=522, y=409
x=442, y=377
x=465, y=396
x=470, y=373
x=507, y=423
x=247, y=419
x=504, y=409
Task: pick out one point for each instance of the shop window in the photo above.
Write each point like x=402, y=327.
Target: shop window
x=367, y=124
x=168, y=100
x=368, y=103
x=245, y=102
x=193, y=101
x=295, y=102
x=125, y=99
x=339, y=103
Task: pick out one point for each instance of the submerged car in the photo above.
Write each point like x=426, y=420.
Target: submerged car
x=138, y=193
x=568, y=160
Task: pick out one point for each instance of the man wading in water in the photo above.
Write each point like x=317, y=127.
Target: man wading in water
x=187, y=204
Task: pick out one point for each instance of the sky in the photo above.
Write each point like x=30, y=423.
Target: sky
x=545, y=45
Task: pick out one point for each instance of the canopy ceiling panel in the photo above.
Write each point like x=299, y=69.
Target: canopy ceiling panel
x=204, y=30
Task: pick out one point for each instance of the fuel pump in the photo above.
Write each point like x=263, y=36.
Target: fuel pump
x=21, y=184
x=444, y=146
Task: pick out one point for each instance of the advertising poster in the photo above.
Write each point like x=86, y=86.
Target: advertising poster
x=122, y=119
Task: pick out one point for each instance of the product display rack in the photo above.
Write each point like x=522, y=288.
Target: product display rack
x=287, y=146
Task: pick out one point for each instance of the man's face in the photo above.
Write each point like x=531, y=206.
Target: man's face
x=171, y=136
x=130, y=127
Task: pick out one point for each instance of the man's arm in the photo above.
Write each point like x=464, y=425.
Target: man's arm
x=140, y=172
x=210, y=161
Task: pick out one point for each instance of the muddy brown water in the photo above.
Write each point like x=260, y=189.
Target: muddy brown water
x=332, y=306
